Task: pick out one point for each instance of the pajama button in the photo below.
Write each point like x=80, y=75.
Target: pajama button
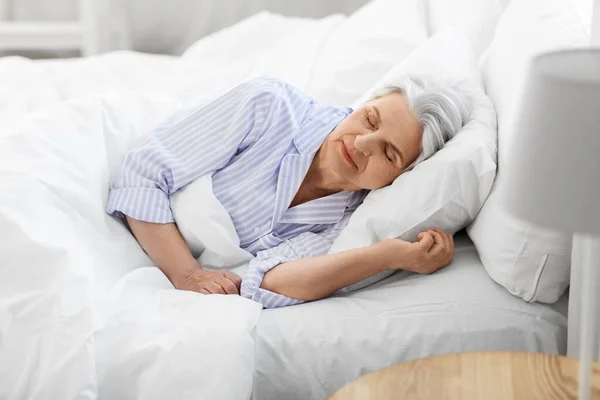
x=257, y=230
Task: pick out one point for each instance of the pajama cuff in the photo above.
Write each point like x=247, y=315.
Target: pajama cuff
x=251, y=284
x=143, y=204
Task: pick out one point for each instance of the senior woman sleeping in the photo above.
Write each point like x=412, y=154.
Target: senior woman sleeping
x=290, y=171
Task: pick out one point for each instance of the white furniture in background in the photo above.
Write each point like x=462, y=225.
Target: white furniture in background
x=81, y=34
x=560, y=116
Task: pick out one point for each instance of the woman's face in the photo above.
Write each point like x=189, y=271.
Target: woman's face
x=375, y=144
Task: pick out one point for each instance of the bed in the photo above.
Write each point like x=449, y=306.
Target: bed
x=116, y=341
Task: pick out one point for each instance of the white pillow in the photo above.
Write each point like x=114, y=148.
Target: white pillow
x=364, y=47
x=530, y=262
x=447, y=190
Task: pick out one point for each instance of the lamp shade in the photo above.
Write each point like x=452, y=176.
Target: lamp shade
x=553, y=174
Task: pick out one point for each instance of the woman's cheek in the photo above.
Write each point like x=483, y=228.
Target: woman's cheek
x=389, y=175
x=377, y=175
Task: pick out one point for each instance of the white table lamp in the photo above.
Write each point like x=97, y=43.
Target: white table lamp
x=554, y=169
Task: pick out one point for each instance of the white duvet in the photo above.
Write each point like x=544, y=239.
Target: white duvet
x=83, y=313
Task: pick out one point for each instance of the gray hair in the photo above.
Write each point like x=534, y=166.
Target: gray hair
x=442, y=109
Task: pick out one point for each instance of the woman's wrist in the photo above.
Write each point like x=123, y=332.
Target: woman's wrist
x=386, y=255
x=180, y=274
x=394, y=253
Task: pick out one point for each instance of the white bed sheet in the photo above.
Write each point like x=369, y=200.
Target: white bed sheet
x=310, y=351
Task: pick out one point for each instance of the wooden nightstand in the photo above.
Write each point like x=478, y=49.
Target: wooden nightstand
x=485, y=375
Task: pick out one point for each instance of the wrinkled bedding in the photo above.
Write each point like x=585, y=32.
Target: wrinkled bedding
x=84, y=310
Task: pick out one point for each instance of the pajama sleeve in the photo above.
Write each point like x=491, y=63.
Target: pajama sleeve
x=307, y=244
x=195, y=141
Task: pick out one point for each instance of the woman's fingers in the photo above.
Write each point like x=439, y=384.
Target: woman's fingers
x=228, y=286
x=435, y=240
x=235, y=278
x=215, y=288
x=445, y=238
x=438, y=239
x=449, y=240
x=438, y=248
x=448, y=252
x=426, y=241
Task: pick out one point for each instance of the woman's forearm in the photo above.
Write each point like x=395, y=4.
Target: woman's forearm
x=313, y=278
x=165, y=246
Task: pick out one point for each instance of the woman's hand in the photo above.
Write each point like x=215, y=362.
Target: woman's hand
x=209, y=282
x=169, y=251
x=434, y=250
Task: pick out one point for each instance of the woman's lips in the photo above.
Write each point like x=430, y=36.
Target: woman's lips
x=347, y=156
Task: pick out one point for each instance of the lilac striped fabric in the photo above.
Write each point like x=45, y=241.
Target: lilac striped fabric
x=258, y=141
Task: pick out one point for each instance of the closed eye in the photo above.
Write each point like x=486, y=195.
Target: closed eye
x=396, y=159
x=371, y=124
x=387, y=155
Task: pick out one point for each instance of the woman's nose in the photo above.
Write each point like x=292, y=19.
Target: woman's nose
x=364, y=144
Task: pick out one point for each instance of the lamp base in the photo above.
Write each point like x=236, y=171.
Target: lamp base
x=586, y=250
